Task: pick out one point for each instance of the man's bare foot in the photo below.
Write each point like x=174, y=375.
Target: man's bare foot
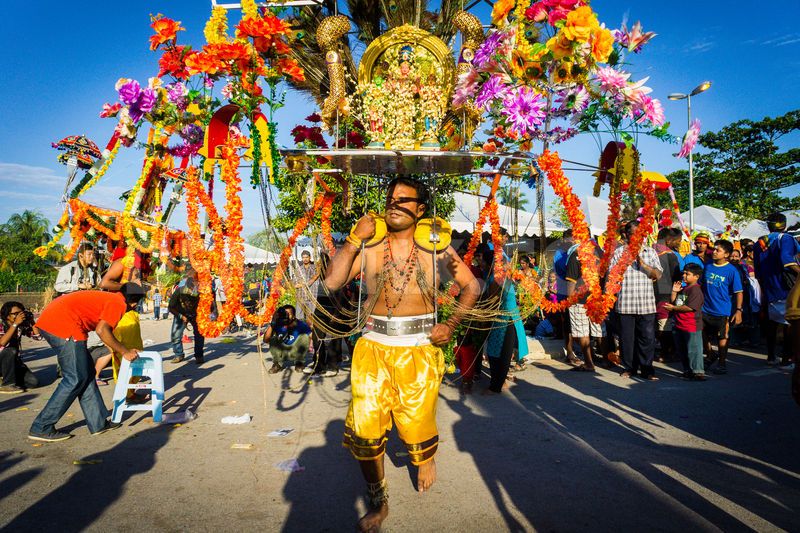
x=371, y=522
x=426, y=475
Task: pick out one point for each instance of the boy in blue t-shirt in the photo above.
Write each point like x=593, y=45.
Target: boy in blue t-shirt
x=288, y=338
x=722, y=286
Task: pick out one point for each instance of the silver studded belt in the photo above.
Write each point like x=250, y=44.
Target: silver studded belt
x=399, y=326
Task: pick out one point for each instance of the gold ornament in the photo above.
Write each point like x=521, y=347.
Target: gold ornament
x=330, y=30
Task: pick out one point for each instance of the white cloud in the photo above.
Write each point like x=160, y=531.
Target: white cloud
x=12, y=174
x=700, y=46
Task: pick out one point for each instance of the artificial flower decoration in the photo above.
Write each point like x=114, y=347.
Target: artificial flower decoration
x=166, y=31
x=634, y=39
x=690, y=139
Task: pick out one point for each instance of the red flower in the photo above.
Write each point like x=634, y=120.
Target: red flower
x=172, y=63
x=313, y=117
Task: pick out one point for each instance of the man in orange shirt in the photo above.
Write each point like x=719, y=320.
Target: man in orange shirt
x=65, y=324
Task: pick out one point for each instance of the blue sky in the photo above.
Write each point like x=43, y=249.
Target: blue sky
x=61, y=60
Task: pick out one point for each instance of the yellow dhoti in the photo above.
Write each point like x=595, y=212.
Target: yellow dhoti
x=400, y=382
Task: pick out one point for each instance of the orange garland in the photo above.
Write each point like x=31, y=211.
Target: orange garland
x=325, y=223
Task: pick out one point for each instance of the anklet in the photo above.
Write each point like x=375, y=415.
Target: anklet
x=377, y=493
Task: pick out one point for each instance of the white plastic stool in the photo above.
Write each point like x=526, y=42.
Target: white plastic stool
x=148, y=364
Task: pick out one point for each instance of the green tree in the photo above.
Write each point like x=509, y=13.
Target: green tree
x=511, y=196
x=744, y=169
x=19, y=237
x=366, y=194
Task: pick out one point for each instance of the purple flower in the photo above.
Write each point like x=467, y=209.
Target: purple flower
x=493, y=89
x=192, y=134
x=523, y=110
x=147, y=100
x=487, y=49
x=176, y=94
x=129, y=92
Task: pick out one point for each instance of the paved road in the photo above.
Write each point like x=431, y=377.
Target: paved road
x=561, y=452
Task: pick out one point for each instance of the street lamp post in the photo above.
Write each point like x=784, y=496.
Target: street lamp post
x=688, y=97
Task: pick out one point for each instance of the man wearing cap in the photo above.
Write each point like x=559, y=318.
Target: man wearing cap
x=775, y=262
x=700, y=254
x=65, y=325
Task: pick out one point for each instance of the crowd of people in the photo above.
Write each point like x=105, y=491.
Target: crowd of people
x=669, y=306
x=673, y=307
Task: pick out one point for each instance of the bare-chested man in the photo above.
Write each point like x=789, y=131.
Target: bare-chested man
x=397, y=366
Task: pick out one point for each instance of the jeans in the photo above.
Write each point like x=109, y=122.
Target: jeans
x=689, y=346
x=176, y=334
x=156, y=312
x=77, y=381
x=637, y=339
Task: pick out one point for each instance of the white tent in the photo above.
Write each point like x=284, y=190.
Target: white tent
x=596, y=212
x=792, y=219
x=716, y=221
x=754, y=230
x=468, y=208
x=256, y=256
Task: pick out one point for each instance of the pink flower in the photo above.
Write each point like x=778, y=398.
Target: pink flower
x=651, y=110
x=466, y=86
x=611, y=80
x=536, y=12
x=110, y=110
x=492, y=90
x=690, y=139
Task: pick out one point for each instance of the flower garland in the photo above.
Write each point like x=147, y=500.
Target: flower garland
x=551, y=164
x=231, y=269
x=100, y=173
x=597, y=308
x=325, y=223
x=148, y=166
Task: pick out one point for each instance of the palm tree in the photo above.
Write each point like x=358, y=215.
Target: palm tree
x=30, y=226
x=511, y=196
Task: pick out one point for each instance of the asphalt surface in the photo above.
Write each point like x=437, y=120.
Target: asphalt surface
x=561, y=451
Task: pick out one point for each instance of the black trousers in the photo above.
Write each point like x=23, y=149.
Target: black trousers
x=637, y=339
x=498, y=366
x=14, y=371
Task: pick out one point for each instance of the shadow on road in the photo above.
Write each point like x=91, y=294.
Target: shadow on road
x=324, y=496
x=75, y=505
x=560, y=462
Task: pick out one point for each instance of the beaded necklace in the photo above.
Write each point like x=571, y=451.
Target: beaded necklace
x=392, y=272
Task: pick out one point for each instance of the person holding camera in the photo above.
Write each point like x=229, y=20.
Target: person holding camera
x=64, y=324
x=78, y=275
x=18, y=322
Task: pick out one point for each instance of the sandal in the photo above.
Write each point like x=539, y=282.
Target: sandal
x=101, y=382
x=583, y=368
x=652, y=377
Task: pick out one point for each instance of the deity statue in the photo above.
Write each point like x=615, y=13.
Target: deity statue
x=403, y=89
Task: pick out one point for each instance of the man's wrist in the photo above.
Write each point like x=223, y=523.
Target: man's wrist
x=355, y=241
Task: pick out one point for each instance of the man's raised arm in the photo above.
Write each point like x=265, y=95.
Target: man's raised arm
x=344, y=266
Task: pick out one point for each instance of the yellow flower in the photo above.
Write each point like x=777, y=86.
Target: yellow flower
x=563, y=73
x=602, y=44
x=249, y=9
x=501, y=10
x=216, y=30
x=560, y=45
x=580, y=24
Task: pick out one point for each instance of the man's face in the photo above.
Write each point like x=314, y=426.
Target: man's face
x=719, y=254
x=403, y=208
x=306, y=259
x=736, y=256
x=86, y=257
x=673, y=242
x=700, y=246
